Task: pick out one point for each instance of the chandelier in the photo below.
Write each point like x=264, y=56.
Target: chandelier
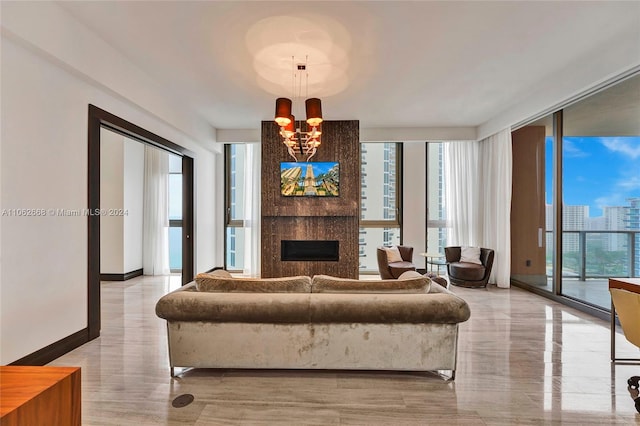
x=297, y=141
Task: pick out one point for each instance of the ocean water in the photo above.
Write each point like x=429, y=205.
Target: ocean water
x=175, y=248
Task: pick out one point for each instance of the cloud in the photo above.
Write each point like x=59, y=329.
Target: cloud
x=570, y=150
x=626, y=186
x=611, y=200
x=623, y=146
x=629, y=184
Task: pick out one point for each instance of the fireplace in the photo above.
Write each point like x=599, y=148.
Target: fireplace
x=311, y=235
x=309, y=250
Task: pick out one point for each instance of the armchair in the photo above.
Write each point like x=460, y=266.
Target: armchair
x=465, y=274
x=393, y=270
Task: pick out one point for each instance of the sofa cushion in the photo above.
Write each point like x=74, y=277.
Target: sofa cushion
x=398, y=268
x=466, y=271
x=211, y=283
x=189, y=305
x=329, y=284
x=217, y=273
x=412, y=274
x=393, y=254
x=202, y=306
x=439, y=308
x=435, y=278
x=470, y=255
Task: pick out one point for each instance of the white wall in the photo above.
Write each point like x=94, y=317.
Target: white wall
x=43, y=281
x=121, y=190
x=44, y=165
x=133, y=200
x=111, y=196
x=53, y=32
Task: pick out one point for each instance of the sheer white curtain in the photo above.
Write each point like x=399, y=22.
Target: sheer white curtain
x=495, y=181
x=252, y=217
x=461, y=193
x=155, y=233
x=478, y=198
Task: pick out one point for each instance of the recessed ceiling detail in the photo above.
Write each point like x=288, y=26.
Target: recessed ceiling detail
x=279, y=42
x=388, y=64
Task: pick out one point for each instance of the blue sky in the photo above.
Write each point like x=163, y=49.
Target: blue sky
x=318, y=166
x=598, y=171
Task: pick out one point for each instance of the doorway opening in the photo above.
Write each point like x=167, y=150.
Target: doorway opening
x=99, y=119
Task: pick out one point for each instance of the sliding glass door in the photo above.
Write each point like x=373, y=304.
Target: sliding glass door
x=581, y=165
x=601, y=192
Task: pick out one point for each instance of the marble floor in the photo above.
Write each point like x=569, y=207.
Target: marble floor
x=593, y=290
x=523, y=360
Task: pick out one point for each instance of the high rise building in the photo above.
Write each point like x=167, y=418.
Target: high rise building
x=235, y=234
x=378, y=200
x=633, y=224
x=615, y=220
x=574, y=218
x=436, y=219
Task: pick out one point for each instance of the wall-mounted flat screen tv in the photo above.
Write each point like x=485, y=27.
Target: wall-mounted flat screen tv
x=313, y=179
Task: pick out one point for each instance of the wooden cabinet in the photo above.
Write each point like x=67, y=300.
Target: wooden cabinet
x=40, y=396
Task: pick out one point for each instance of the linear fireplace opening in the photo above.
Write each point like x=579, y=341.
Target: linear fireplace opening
x=310, y=250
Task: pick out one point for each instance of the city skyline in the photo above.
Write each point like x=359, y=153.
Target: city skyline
x=598, y=171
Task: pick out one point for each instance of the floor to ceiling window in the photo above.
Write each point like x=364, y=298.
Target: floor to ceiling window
x=591, y=181
x=380, y=200
x=235, y=159
x=600, y=191
x=436, y=213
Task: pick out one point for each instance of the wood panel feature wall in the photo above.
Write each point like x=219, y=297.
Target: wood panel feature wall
x=528, y=257
x=312, y=218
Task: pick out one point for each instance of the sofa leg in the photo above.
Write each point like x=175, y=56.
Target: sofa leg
x=453, y=375
x=173, y=372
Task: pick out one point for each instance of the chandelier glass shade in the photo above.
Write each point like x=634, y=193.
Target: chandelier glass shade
x=298, y=141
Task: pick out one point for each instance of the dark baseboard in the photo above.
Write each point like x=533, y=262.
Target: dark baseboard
x=55, y=350
x=132, y=274
x=121, y=277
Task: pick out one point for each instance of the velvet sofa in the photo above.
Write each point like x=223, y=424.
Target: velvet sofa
x=320, y=323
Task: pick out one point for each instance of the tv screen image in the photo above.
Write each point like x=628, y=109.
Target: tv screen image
x=313, y=179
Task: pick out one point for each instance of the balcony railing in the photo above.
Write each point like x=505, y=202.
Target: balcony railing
x=598, y=254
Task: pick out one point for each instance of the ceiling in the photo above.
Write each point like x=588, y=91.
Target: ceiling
x=387, y=64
